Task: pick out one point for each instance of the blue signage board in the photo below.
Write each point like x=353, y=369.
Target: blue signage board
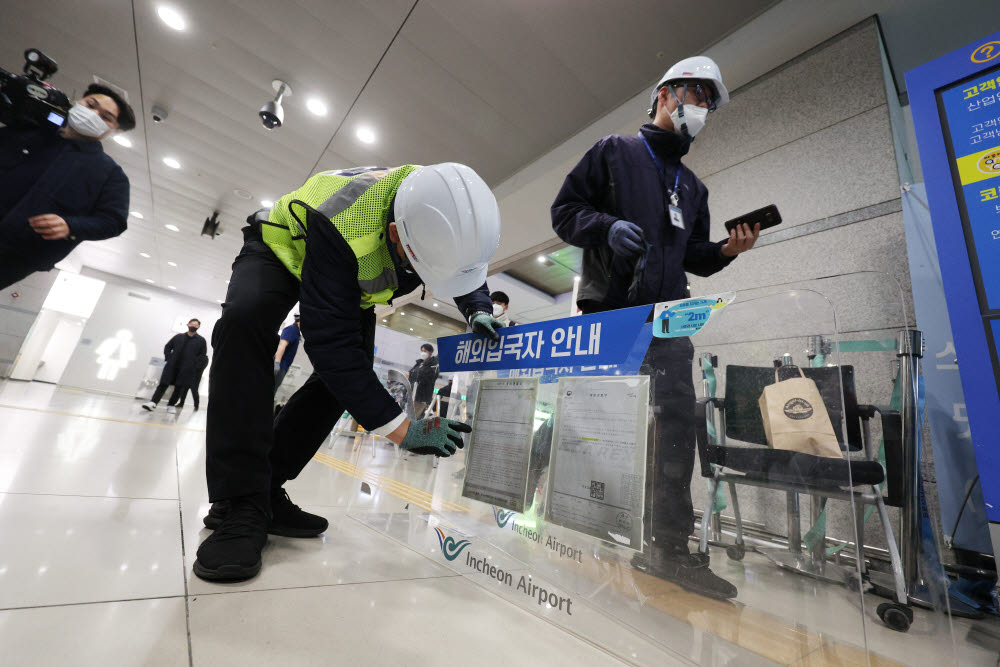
x=955, y=102
x=601, y=339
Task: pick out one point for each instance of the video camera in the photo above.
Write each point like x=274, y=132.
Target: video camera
x=25, y=101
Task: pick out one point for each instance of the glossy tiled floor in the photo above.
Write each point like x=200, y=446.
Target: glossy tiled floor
x=100, y=515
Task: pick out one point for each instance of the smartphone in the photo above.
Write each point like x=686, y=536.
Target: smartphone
x=767, y=217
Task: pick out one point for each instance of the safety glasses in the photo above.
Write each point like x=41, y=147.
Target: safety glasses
x=703, y=93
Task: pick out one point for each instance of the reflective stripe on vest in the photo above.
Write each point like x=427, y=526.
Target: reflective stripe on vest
x=357, y=203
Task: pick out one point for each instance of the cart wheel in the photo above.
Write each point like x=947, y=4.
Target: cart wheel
x=896, y=616
x=736, y=551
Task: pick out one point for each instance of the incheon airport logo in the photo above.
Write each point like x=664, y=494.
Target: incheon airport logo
x=449, y=547
x=502, y=517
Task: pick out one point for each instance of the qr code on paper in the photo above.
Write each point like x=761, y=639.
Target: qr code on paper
x=597, y=490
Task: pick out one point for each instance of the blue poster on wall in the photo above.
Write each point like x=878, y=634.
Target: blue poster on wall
x=955, y=102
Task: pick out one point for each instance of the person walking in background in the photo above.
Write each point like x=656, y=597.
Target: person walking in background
x=200, y=367
x=183, y=354
x=422, y=377
x=288, y=345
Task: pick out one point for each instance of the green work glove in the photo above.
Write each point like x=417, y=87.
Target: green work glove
x=485, y=323
x=434, y=435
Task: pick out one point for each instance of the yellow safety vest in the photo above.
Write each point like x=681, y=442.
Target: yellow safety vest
x=357, y=202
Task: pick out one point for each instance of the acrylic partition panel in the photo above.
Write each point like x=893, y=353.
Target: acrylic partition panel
x=619, y=483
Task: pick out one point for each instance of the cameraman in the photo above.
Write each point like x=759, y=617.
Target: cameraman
x=60, y=188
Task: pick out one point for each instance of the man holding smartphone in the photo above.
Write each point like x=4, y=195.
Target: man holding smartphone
x=642, y=220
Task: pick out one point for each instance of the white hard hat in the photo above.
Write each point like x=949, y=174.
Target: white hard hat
x=449, y=224
x=696, y=67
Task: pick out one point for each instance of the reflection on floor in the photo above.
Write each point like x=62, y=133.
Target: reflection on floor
x=100, y=513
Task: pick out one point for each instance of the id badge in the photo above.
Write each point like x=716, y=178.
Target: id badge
x=676, y=217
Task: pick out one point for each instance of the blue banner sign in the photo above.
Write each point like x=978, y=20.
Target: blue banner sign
x=588, y=340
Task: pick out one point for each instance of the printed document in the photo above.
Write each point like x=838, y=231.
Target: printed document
x=598, y=465
x=500, y=446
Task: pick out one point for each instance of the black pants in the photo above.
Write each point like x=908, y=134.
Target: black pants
x=669, y=512
x=13, y=268
x=248, y=450
x=175, y=395
x=184, y=391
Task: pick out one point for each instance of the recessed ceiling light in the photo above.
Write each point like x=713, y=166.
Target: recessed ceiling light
x=385, y=320
x=266, y=203
x=173, y=228
x=435, y=304
x=411, y=328
x=242, y=194
x=430, y=324
x=366, y=134
x=171, y=287
x=172, y=263
x=402, y=313
x=137, y=215
x=150, y=281
x=173, y=18
x=316, y=106
x=542, y=259
x=144, y=254
x=172, y=163
x=122, y=140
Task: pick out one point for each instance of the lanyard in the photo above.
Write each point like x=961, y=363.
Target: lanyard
x=675, y=193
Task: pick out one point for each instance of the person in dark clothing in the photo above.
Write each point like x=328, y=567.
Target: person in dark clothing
x=60, y=188
x=342, y=243
x=422, y=377
x=642, y=220
x=288, y=345
x=184, y=353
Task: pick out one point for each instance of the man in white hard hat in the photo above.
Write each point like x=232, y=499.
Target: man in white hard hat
x=342, y=243
x=642, y=220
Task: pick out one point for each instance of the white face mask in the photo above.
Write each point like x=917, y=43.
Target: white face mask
x=694, y=118
x=498, y=310
x=86, y=121
x=424, y=356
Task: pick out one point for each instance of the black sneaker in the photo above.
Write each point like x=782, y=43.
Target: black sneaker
x=232, y=552
x=287, y=519
x=690, y=572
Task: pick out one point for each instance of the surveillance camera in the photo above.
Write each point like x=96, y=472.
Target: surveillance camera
x=159, y=114
x=271, y=115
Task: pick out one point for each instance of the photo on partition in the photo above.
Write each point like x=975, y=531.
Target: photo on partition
x=500, y=444
x=597, y=469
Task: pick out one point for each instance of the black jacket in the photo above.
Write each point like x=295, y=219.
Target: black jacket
x=617, y=180
x=330, y=301
x=186, y=357
x=423, y=374
x=82, y=184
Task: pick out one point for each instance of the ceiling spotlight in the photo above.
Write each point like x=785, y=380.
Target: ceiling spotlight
x=172, y=163
x=402, y=313
x=137, y=215
x=266, y=203
x=271, y=114
x=435, y=304
x=411, y=328
x=316, y=106
x=430, y=324
x=366, y=134
x=172, y=263
x=173, y=228
x=384, y=320
x=150, y=281
x=122, y=140
x=542, y=259
x=171, y=287
x=173, y=18
x=144, y=254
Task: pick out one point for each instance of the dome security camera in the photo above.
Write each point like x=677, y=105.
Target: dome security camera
x=271, y=114
x=159, y=114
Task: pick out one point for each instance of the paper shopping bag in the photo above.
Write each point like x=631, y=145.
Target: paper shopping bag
x=795, y=417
